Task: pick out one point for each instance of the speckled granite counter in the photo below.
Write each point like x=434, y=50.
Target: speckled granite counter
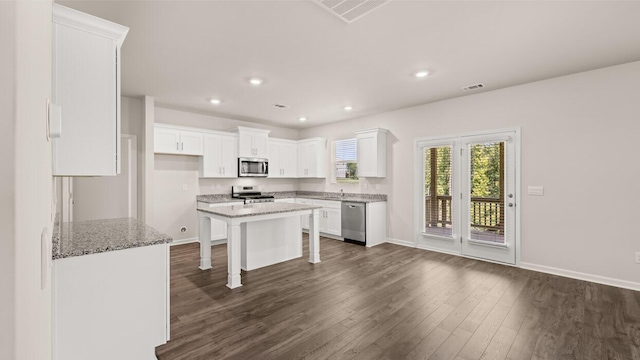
x=237, y=211
x=217, y=198
x=97, y=236
x=334, y=196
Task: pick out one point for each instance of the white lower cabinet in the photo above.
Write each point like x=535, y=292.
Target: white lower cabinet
x=111, y=305
x=330, y=216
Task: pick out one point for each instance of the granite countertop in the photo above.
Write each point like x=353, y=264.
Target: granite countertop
x=237, y=211
x=217, y=198
x=96, y=236
x=318, y=195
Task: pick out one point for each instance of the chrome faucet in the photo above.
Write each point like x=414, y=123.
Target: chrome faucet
x=341, y=193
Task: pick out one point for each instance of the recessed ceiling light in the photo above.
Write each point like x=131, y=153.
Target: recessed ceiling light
x=256, y=81
x=421, y=73
x=348, y=108
x=215, y=101
x=302, y=119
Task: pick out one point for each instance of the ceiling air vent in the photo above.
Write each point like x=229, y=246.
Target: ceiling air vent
x=473, y=87
x=350, y=10
x=280, y=106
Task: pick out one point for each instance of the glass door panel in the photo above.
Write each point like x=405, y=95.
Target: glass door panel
x=486, y=177
x=438, y=187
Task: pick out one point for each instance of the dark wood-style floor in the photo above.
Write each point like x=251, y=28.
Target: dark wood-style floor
x=393, y=302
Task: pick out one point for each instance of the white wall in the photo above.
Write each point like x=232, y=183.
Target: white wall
x=579, y=140
x=26, y=182
x=7, y=183
x=175, y=207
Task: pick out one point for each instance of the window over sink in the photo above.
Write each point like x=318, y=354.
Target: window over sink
x=345, y=160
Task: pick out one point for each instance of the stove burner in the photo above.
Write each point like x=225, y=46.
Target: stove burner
x=250, y=194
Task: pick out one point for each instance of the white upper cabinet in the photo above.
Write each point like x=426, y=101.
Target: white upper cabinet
x=220, y=158
x=252, y=142
x=282, y=155
x=86, y=84
x=312, y=158
x=372, y=152
x=176, y=140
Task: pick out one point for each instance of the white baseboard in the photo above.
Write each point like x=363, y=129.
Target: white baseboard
x=582, y=276
x=401, y=242
x=540, y=268
x=195, y=240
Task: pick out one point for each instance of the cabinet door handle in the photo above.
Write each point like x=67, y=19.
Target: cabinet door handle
x=177, y=146
x=182, y=145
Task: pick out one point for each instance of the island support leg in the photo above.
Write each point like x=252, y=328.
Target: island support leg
x=204, y=235
x=233, y=256
x=314, y=236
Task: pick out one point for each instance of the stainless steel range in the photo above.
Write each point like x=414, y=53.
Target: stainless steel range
x=250, y=194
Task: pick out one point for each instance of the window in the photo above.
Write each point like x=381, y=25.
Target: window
x=438, y=187
x=346, y=161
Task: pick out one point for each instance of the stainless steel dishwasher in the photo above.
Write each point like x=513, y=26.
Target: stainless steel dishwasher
x=353, y=222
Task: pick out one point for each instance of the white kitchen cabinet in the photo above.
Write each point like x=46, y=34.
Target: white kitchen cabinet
x=220, y=156
x=312, y=155
x=252, y=142
x=330, y=216
x=176, y=140
x=372, y=152
x=86, y=85
x=304, y=220
x=119, y=298
x=282, y=155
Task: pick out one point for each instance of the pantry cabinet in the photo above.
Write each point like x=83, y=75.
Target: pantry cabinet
x=86, y=85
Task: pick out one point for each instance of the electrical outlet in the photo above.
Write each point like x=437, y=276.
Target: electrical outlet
x=638, y=257
x=185, y=187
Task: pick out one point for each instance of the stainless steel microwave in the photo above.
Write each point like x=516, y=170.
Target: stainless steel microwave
x=253, y=167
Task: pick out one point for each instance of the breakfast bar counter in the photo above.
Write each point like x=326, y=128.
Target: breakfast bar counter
x=259, y=235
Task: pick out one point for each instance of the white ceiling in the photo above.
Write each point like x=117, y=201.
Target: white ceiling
x=184, y=53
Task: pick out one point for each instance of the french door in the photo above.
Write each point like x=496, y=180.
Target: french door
x=467, y=194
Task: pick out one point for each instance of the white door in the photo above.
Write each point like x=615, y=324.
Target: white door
x=488, y=197
x=109, y=197
x=467, y=194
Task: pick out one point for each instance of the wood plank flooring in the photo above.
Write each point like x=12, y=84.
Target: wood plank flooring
x=392, y=302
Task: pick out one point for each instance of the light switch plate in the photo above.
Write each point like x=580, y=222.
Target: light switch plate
x=535, y=190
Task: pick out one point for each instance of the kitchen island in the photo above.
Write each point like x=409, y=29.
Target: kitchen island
x=259, y=235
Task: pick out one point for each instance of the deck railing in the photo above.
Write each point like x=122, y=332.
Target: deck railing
x=486, y=213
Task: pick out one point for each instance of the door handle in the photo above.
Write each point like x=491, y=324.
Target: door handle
x=510, y=204
x=352, y=206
